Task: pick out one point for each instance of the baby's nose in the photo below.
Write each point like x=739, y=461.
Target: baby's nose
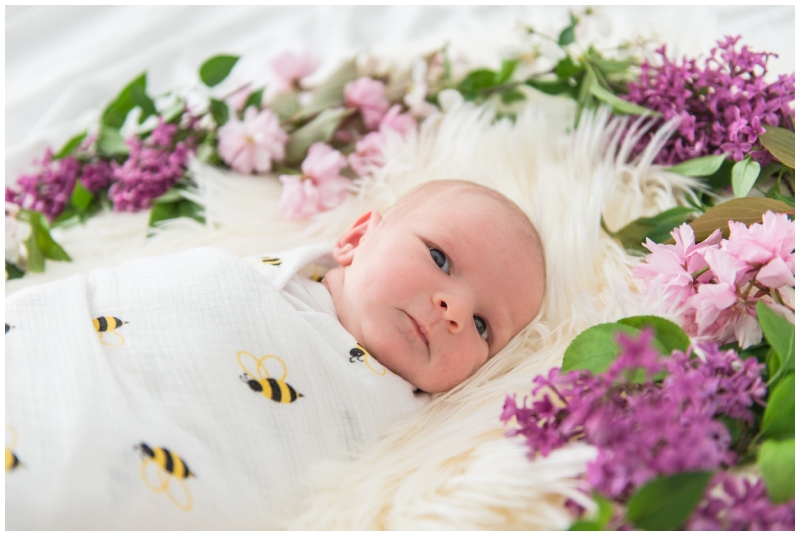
x=454, y=311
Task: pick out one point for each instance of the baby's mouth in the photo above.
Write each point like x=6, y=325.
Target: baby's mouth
x=418, y=329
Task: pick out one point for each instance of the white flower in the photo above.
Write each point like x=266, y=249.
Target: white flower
x=16, y=233
x=415, y=98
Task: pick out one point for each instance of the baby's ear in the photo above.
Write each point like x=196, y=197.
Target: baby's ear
x=349, y=241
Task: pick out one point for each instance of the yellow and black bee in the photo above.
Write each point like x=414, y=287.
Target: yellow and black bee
x=359, y=353
x=108, y=325
x=257, y=377
x=274, y=261
x=168, y=468
x=12, y=462
x=9, y=327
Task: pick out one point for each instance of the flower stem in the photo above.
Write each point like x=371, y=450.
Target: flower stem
x=700, y=272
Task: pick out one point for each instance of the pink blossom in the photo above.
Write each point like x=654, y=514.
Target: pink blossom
x=319, y=188
x=238, y=98
x=253, y=143
x=767, y=248
x=292, y=68
x=368, y=154
x=400, y=122
x=368, y=96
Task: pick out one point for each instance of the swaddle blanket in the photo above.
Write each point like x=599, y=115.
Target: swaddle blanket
x=189, y=391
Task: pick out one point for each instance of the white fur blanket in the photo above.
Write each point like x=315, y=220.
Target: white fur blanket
x=451, y=467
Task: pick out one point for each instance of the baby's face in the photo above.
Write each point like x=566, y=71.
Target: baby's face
x=438, y=290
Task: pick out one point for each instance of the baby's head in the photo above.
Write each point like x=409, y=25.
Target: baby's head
x=439, y=283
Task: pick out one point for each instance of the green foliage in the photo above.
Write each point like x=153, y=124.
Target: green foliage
x=703, y=166
x=330, y=93
x=110, y=142
x=618, y=105
x=115, y=113
x=780, y=142
x=69, y=147
x=656, y=228
x=778, y=420
x=285, y=105
x=776, y=463
x=40, y=244
x=13, y=272
x=666, y=503
x=321, y=128
x=779, y=332
x=216, y=69
x=567, y=35
x=667, y=333
x=744, y=175
x=747, y=210
x=595, y=348
x=254, y=99
x=605, y=510
x=219, y=111
x=173, y=205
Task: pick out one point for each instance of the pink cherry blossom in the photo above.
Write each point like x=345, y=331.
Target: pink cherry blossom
x=238, y=98
x=368, y=96
x=400, y=122
x=319, y=188
x=294, y=67
x=253, y=143
x=767, y=248
x=368, y=154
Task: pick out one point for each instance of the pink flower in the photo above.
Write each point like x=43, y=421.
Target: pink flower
x=319, y=188
x=238, y=98
x=767, y=249
x=722, y=313
x=367, y=95
x=252, y=144
x=368, y=154
x=394, y=120
x=292, y=68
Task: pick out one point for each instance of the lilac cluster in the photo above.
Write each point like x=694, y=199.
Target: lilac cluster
x=152, y=168
x=736, y=503
x=642, y=429
x=722, y=107
x=48, y=190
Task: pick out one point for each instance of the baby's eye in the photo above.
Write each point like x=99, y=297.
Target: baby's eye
x=440, y=259
x=483, y=329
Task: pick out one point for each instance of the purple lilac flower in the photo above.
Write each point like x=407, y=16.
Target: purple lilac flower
x=48, y=190
x=647, y=429
x=152, y=168
x=722, y=107
x=96, y=176
x=737, y=503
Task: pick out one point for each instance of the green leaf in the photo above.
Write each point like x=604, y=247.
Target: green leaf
x=116, y=112
x=174, y=111
x=512, y=95
x=285, y=105
x=110, y=142
x=81, y=197
x=171, y=196
x=215, y=70
x=476, y=80
x=219, y=111
x=589, y=80
x=583, y=525
x=657, y=228
x=619, y=105
x=780, y=142
x=699, y=167
x=567, y=35
x=779, y=333
x=773, y=363
x=553, y=87
x=668, y=333
x=776, y=462
x=778, y=420
x=747, y=210
x=566, y=68
x=40, y=244
x=171, y=209
x=331, y=93
x=774, y=193
x=140, y=98
x=667, y=502
x=595, y=348
x=13, y=272
x=744, y=175
x=321, y=128
x=505, y=72
x=254, y=99
x=70, y=146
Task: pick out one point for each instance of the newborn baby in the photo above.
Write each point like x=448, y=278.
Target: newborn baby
x=195, y=390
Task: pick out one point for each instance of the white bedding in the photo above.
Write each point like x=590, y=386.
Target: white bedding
x=189, y=391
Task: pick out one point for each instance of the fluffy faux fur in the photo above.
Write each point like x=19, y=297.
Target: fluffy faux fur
x=450, y=467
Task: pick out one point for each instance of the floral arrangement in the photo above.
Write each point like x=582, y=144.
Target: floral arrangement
x=693, y=423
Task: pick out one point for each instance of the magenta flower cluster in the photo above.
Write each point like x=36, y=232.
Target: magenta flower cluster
x=715, y=286
x=152, y=168
x=642, y=429
x=737, y=503
x=722, y=107
x=49, y=190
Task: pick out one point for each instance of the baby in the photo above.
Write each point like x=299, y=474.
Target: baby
x=195, y=390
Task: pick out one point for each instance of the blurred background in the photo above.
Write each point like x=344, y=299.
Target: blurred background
x=65, y=63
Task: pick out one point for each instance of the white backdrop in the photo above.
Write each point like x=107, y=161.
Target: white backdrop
x=65, y=63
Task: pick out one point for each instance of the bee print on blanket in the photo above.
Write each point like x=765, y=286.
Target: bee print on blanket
x=162, y=471
x=272, y=261
x=12, y=461
x=359, y=354
x=106, y=328
x=257, y=376
x=9, y=327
